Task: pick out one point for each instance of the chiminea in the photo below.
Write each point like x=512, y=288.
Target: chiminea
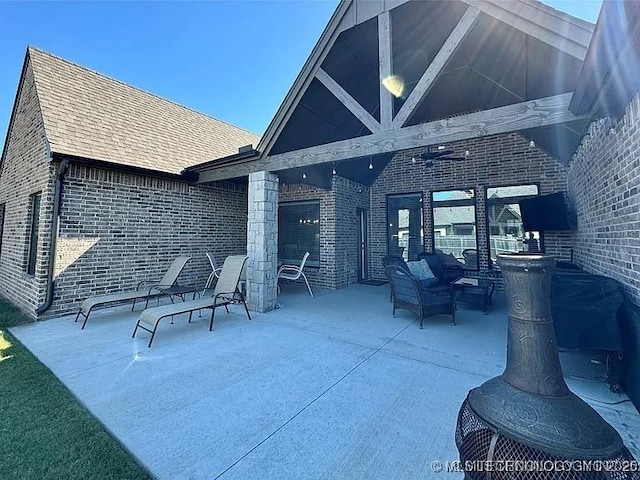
x=526, y=423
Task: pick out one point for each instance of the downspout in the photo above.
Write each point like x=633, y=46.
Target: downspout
x=57, y=204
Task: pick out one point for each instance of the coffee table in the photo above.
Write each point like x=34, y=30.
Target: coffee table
x=476, y=291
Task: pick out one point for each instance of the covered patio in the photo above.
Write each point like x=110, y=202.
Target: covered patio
x=326, y=387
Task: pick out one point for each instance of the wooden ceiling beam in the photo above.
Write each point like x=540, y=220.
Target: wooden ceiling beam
x=348, y=101
x=303, y=80
x=439, y=62
x=567, y=34
x=385, y=50
x=510, y=118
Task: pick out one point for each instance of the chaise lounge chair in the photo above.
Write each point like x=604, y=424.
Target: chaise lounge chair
x=225, y=293
x=166, y=286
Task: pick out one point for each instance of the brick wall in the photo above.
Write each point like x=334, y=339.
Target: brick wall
x=350, y=196
x=319, y=276
x=498, y=160
x=25, y=170
x=117, y=229
x=604, y=185
x=338, y=228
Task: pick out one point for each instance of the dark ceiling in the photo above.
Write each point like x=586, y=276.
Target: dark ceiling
x=496, y=65
x=356, y=169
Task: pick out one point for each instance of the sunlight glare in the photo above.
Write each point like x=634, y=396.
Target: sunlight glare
x=395, y=85
x=70, y=249
x=136, y=357
x=4, y=345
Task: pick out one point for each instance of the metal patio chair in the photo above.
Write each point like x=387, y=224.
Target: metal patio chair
x=152, y=289
x=226, y=292
x=294, y=272
x=215, y=270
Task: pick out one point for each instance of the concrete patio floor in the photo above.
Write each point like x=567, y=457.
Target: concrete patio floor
x=325, y=387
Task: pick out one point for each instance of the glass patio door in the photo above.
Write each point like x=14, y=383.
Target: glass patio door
x=404, y=225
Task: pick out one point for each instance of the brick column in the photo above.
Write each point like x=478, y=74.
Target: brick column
x=262, y=241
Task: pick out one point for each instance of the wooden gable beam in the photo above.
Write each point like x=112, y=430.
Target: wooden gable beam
x=510, y=118
x=555, y=28
x=386, y=68
x=304, y=78
x=348, y=101
x=569, y=35
x=441, y=59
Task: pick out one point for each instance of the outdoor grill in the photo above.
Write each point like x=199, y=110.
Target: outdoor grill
x=526, y=423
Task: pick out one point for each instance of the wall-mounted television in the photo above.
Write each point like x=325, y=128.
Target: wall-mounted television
x=545, y=213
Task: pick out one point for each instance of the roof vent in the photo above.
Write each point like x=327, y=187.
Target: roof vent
x=246, y=149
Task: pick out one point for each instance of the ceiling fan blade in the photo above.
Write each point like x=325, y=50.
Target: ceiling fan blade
x=436, y=154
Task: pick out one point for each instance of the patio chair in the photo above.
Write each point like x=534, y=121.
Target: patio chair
x=393, y=260
x=425, y=281
x=215, y=270
x=225, y=293
x=294, y=272
x=166, y=286
x=470, y=256
x=423, y=302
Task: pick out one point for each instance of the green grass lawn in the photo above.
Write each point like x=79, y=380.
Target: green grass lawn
x=44, y=432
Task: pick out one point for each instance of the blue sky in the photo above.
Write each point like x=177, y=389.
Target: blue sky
x=234, y=60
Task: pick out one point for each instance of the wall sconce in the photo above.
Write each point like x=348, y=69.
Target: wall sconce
x=532, y=143
x=304, y=175
x=370, y=164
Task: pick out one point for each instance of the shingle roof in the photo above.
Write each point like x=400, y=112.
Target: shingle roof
x=89, y=115
x=443, y=216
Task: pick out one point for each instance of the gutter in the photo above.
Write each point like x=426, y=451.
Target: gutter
x=188, y=177
x=57, y=204
x=249, y=154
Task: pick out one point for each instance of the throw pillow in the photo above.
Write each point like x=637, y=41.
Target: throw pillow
x=420, y=270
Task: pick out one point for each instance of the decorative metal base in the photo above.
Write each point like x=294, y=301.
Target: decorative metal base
x=526, y=424
x=487, y=453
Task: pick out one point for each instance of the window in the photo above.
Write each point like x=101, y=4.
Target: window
x=2, y=208
x=454, y=225
x=405, y=231
x=299, y=232
x=504, y=222
x=34, y=213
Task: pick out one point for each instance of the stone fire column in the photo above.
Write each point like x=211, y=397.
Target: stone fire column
x=262, y=241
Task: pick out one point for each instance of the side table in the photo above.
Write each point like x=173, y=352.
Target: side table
x=476, y=291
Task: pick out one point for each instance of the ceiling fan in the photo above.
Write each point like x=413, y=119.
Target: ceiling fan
x=441, y=153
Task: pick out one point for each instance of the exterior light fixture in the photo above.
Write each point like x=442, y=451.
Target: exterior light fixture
x=333, y=171
x=532, y=144
x=370, y=165
x=304, y=175
x=413, y=159
x=467, y=153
